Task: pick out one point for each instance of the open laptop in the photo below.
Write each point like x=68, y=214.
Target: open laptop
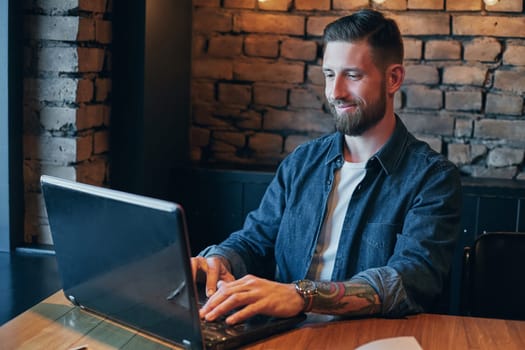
x=127, y=257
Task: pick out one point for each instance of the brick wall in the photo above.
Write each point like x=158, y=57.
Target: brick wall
x=258, y=88
x=66, y=98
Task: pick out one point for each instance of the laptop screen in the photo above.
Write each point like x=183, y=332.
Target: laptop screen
x=125, y=257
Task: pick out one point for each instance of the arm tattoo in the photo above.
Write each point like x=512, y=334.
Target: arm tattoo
x=346, y=298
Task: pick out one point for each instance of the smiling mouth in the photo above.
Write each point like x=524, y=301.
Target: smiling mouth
x=346, y=107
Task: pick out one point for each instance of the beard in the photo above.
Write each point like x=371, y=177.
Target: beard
x=365, y=116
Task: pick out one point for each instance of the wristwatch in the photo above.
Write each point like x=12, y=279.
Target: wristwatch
x=307, y=289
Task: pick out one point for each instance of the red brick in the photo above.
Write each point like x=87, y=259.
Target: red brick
x=221, y=146
x=269, y=23
x=421, y=74
x=349, y=5
x=423, y=97
x=233, y=138
x=315, y=25
x=238, y=117
x=298, y=49
x=92, y=5
x=212, y=68
x=459, y=153
x=210, y=20
x=413, y=49
x=240, y=4
x=198, y=45
x=94, y=171
x=432, y=124
x=310, y=121
x=506, y=6
x=206, y=3
x=306, y=98
x=266, y=143
x=90, y=116
x=464, y=75
x=463, y=128
x=510, y=80
x=443, y=50
x=203, y=116
x=225, y=46
x=498, y=26
x=86, y=29
x=270, y=95
x=489, y=172
x=84, y=147
x=85, y=90
x=275, y=5
x=463, y=5
x=261, y=46
x=423, y=24
x=309, y=5
x=248, y=119
x=202, y=91
x=314, y=74
x=511, y=130
x=482, y=49
x=272, y=72
x=101, y=142
x=504, y=156
x=463, y=100
x=90, y=59
x=514, y=54
x=235, y=94
x=425, y=4
x=504, y=104
x=103, y=32
x=199, y=136
x=392, y=5
x=102, y=89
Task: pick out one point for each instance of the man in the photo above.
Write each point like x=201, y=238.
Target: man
x=359, y=222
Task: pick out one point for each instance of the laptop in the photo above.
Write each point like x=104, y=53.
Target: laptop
x=127, y=257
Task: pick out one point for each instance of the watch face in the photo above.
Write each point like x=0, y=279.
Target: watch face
x=307, y=287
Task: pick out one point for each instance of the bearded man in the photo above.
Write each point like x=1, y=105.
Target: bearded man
x=359, y=222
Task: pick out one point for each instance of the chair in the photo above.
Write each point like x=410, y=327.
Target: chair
x=493, y=278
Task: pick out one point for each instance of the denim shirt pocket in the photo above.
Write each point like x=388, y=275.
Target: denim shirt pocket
x=377, y=244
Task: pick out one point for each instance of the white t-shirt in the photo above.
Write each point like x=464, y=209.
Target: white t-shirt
x=346, y=180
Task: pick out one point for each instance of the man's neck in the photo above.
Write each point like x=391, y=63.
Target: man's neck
x=360, y=148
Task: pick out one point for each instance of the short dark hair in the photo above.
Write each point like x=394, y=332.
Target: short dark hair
x=381, y=33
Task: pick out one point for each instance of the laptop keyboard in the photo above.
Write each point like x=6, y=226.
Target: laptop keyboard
x=218, y=330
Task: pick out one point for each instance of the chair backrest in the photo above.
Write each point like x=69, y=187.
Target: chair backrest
x=494, y=276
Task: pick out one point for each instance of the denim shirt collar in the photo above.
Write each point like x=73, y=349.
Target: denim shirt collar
x=388, y=156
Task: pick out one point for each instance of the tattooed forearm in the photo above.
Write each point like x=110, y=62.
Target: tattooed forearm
x=346, y=298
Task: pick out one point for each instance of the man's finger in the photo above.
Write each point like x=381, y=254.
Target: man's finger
x=214, y=268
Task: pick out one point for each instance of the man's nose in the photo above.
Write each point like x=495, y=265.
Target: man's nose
x=339, y=90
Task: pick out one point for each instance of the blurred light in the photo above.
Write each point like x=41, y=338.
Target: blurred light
x=490, y=2
x=379, y=2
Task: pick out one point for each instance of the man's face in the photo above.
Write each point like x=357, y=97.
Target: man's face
x=355, y=87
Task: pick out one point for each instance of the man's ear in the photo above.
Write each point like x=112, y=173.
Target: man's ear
x=395, y=75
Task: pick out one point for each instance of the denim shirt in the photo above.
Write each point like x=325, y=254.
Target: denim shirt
x=399, y=231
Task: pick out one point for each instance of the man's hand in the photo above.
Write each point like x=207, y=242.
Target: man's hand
x=252, y=295
x=212, y=270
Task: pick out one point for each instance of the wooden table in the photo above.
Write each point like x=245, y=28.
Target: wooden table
x=56, y=324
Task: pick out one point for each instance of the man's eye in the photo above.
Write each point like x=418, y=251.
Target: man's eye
x=354, y=76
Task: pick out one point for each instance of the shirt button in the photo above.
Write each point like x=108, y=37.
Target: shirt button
x=328, y=182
